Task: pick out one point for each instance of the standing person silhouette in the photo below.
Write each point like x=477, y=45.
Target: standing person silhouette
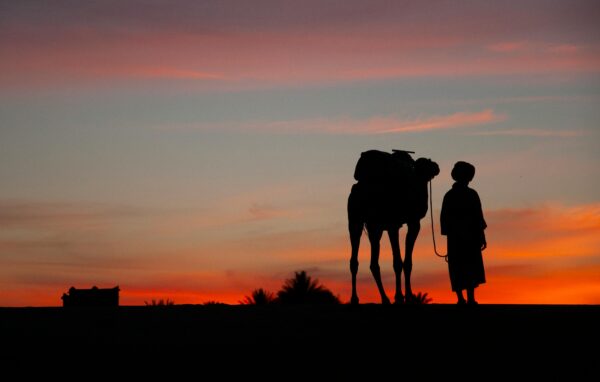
x=463, y=224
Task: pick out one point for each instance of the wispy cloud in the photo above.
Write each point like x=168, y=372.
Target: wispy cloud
x=564, y=48
x=531, y=99
x=289, y=44
x=175, y=73
x=452, y=121
x=533, y=133
x=387, y=124
x=519, y=47
x=260, y=211
x=383, y=124
x=47, y=214
x=507, y=47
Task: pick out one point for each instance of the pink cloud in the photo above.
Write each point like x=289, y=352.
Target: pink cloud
x=280, y=55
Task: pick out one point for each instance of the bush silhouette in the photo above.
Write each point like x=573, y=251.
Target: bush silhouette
x=160, y=302
x=420, y=298
x=258, y=297
x=213, y=302
x=303, y=289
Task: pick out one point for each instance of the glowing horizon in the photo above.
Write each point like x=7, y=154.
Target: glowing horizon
x=197, y=151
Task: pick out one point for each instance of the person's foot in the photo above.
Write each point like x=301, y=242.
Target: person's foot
x=354, y=300
x=461, y=302
x=472, y=302
x=385, y=300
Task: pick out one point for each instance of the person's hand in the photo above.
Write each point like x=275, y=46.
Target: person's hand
x=483, y=242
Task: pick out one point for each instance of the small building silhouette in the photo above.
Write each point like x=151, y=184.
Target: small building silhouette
x=91, y=297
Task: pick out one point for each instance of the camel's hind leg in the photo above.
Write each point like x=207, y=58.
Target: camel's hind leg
x=394, y=236
x=411, y=237
x=374, y=238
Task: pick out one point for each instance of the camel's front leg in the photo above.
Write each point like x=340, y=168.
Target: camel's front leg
x=396, y=256
x=374, y=238
x=411, y=237
x=355, y=233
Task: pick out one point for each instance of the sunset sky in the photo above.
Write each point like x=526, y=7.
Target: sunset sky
x=197, y=150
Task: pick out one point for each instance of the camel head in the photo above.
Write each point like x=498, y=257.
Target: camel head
x=426, y=169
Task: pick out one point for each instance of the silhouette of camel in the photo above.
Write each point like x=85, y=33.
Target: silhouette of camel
x=391, y=191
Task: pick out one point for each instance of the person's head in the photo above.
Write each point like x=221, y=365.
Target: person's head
x=463, y=172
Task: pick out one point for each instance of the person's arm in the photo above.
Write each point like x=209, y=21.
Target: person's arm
x=482, y=223
x=479, y=209
x=483, y=241
x=444, y=216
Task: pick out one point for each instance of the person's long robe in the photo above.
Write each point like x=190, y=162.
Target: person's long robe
x=463, y=223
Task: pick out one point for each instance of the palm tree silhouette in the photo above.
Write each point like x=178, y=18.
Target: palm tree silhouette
x=303, y=289
x=258, y=297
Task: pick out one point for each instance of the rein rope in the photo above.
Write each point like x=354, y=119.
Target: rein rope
x=432, y=229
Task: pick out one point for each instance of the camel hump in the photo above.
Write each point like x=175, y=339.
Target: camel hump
x=376, y=166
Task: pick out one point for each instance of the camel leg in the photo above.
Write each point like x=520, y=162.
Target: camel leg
x=411, y=237
x=374, y=238
x=355, y=234
x=356, y=223
x=395, y=244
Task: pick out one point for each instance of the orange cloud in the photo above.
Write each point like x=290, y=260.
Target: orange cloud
x=547, y=232
x=546, y=254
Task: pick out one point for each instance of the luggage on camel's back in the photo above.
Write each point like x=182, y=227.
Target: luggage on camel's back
x=384, y=184
x=385, y=181
x=380, y=167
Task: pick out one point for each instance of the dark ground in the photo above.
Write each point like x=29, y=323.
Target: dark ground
x=369, y=338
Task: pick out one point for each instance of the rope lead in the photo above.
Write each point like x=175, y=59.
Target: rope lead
x=432, y=229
